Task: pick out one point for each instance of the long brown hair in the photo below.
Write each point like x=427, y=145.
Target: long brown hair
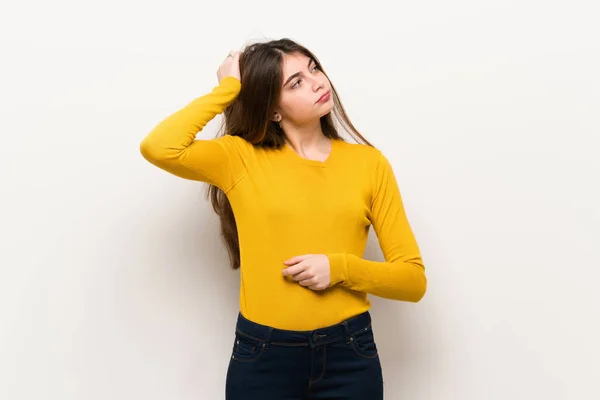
x=249, y=116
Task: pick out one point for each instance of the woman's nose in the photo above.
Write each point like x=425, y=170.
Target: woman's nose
x=317, y=85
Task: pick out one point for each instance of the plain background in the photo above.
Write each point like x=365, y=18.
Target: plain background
x=114, y=283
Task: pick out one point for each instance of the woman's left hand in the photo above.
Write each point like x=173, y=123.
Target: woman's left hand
x=310, y=270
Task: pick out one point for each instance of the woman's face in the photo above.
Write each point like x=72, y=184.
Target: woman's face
x=303, y=85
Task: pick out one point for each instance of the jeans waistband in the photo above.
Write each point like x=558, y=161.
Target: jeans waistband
x=334, y=333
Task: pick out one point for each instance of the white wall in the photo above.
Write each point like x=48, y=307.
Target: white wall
x=113, y=280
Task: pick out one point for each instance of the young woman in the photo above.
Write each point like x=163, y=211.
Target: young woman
x=296, y=203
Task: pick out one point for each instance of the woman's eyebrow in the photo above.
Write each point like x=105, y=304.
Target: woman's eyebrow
x=310, y=61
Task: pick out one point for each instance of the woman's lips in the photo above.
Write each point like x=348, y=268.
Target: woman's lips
x=324, y=98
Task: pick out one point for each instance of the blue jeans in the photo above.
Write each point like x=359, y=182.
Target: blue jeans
x=337, y=362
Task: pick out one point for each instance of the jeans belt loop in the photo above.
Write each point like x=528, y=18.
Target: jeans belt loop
x=268, y=339
x=347, y=331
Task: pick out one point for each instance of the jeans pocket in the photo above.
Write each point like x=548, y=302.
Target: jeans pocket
x=363, y=342
x=247, y=348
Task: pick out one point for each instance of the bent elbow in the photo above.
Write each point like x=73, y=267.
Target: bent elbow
x=148, y=150
x=153, y=153
x=419, y=287
x=422, y=288
x=420, y=293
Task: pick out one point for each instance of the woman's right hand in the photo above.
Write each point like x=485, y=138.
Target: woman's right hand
x=230, y=67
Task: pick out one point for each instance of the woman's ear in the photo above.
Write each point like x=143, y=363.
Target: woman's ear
x=276, y=117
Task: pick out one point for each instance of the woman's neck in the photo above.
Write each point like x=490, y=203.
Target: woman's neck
x=307, y=139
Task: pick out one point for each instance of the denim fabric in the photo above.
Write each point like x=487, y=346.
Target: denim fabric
x=337, y=362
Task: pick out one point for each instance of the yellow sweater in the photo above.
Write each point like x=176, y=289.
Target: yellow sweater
x=286, y=205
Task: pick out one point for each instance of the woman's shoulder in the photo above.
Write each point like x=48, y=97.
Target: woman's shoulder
x=236, y=142
x=361, y=151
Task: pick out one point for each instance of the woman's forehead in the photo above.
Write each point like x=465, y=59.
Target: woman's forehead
x=293, y=63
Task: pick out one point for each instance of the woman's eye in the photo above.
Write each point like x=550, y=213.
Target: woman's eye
x=297, y=82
